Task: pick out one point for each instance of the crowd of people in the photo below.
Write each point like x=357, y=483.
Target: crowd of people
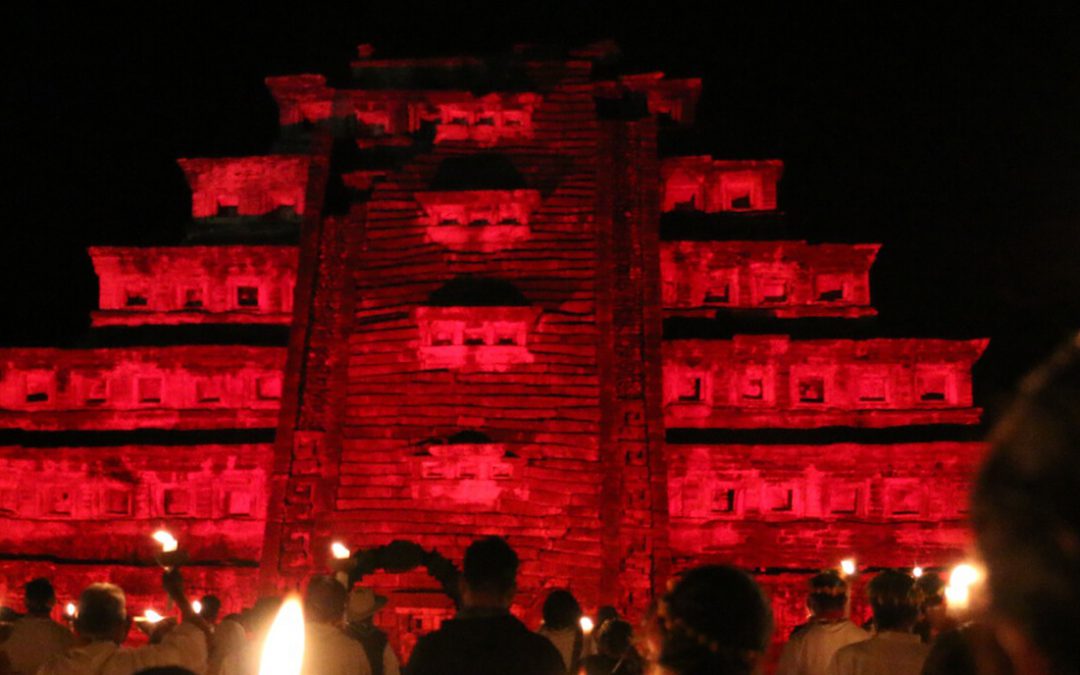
x=714, y=620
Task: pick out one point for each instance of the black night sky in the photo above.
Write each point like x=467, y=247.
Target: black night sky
x=950, y=135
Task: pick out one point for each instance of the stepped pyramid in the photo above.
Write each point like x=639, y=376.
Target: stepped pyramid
x=470, y=296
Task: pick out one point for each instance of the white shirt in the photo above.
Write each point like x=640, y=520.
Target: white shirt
x=887, y=653
x=563, y=640
x=391, y=665
x=183, y=646
x=329, y=651
x=809, y=652
x=32, y=641
x=229, y=639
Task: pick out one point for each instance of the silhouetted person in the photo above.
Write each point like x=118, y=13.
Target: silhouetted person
x=327, y=649
x=484, y=638
x=257, y=619
x=102, y=625
x=1026, y=515
x=211, y=607
x=360, y=625
x=934, y=616
x=242, y=656
x=229, y=635
x=615, y=651
x=714, y=621
x=811, y=648
x=562, y=626
x=971, y=649
x=950, y=654
x=604, y=614
x=35, y=637
x=894, y=649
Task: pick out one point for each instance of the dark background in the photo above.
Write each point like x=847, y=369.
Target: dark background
x=950, y=134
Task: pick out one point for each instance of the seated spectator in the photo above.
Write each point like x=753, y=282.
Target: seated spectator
x=1026, y=515
x=102, y=625
x=562, y=617
x=894, y=649
x=327, y=650
x=35, y=637
x=484, y=638
x=714, y=621
x=615, y=651
x=810, y=649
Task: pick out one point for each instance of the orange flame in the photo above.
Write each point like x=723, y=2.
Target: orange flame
x=167, y=541
x=283, y=653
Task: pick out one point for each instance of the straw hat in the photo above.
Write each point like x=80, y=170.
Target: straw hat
x=363, y=603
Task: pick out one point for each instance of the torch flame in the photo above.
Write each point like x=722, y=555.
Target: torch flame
x=586, y=625
x=848, y=567
x=70, y=609
x=964, y=576
x=958, y=592
x=167, y=541
x=283, y=653
x=917, y=572
x=196, y=607
x=150, y=616
x=340, y=551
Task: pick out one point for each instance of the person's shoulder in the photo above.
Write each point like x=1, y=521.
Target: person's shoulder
x=340, y=636
x=340, y=641
x=921, y=648
x=800, y=637
x=61, y=631
x=844, y=660
x=849, y=628
x=542, y=652
x=48, y=666
x=534, y=649
x=434, y=639
x=428, y=644
x=523, y=633
x=355, y=653
x=794, y=649
x=852, y=651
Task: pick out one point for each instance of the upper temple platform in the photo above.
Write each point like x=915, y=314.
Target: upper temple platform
x=482, y=100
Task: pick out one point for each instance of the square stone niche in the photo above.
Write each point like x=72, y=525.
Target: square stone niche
x=481, y=338
x=478, y=220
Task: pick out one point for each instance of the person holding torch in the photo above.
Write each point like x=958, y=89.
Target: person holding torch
x=102, y=624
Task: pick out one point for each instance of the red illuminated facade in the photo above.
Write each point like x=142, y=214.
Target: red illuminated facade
x=767, y=381
x=480, y=293
x=176, y=285
x=784, y=279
